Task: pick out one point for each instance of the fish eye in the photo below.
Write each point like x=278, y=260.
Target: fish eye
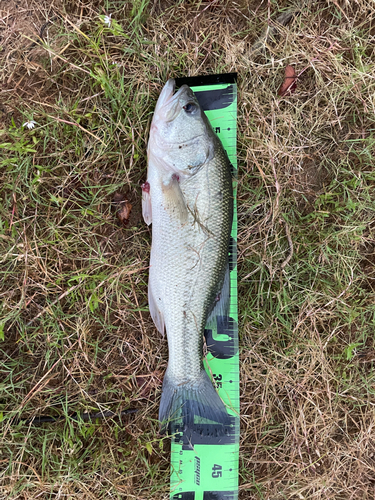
x=190, y=107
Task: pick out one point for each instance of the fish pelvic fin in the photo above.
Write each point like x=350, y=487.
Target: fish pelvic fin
x=146, y=203
x=155, y=309
x=193, y=406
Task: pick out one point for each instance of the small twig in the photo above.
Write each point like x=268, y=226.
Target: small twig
x=58, y=56
x=343, y=292
x=278, y=191
x=260, y=45
x=75, y=27
x=38, y=386
x=315, y=59
x=282, y=220
x=79, y=126
x=53, y=303
x=290, y=255
x=25, y=464
x=14, y=210
x=91, y=96
x=139, y=311
x=208, y=6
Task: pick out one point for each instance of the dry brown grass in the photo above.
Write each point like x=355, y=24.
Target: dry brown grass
x=77, y=333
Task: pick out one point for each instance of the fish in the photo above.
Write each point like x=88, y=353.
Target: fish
x=188, y=199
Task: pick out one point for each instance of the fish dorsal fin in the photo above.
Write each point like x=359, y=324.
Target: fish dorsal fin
x=221, y=305
x=174, y=200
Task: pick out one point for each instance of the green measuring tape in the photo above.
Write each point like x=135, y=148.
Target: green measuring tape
x=206, y=468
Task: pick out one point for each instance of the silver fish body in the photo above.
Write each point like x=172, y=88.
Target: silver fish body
x=189, y=200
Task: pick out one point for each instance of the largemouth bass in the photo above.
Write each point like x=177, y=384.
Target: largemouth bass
x=188, y=198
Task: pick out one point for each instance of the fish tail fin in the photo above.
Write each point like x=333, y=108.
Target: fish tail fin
x=193, y=405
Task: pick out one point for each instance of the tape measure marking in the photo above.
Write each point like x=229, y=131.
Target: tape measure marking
x=206, y=467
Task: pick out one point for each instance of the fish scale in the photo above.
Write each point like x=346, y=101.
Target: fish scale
x=193, y=258
x=189, y=262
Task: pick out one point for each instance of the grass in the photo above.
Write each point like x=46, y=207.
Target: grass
x=76, y=335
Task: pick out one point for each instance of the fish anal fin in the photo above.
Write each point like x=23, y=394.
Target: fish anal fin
x=155, y=310
x=174, y=200
x=222, y=300
x=146, y=203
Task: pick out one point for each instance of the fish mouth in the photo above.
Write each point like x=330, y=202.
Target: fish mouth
x=165, y=107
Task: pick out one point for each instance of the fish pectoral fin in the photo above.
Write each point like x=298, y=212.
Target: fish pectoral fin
x=156, y=314
x=174, y=200
x=222, y=300
x=146, y=203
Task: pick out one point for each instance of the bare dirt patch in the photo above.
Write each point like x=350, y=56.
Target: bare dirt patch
x=23, y=72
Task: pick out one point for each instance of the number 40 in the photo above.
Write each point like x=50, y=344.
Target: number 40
x=217, y=471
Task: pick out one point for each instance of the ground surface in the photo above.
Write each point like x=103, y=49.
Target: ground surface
x=77, y=335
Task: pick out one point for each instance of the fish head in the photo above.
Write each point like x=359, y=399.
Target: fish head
x=181, y=138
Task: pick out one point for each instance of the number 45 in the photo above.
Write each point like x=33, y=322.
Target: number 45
x=217, y=471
